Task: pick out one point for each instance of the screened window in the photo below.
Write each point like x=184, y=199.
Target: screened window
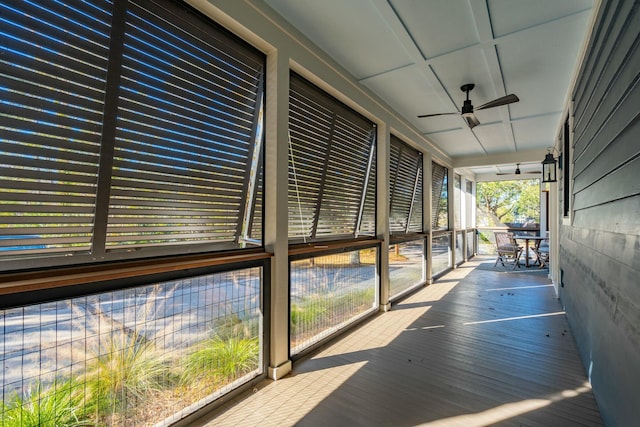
x=405, y=188
x=439, y=197
x=126, y=126
x=331, y=167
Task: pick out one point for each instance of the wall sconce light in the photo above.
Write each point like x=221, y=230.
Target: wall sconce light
x=549, y=167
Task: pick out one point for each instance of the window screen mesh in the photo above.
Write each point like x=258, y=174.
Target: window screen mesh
x=188, y=107
x=405, y=188
x=331, y=167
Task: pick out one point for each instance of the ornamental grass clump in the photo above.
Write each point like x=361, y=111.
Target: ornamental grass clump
x=60, y=404
x=121, y=371
x=231, y=351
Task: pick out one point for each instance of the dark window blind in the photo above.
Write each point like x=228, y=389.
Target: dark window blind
x=53, y=66
x=405, y=188
x=439, y=197
x=186, y=129
x=180, y=165
x=331, y=167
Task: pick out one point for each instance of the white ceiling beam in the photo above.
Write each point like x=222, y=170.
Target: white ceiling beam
x=499, y=159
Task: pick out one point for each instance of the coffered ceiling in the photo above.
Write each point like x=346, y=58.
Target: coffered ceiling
x=416, y=54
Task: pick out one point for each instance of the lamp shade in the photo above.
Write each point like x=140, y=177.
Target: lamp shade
x=549, y=168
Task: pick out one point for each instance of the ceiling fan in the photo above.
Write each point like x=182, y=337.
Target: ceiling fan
x=467, y=108
x=517, y=171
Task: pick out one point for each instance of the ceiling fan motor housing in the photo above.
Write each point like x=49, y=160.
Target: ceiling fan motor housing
x=467, y=108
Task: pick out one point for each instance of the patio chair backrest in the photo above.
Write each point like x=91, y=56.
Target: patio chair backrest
x=505, y=240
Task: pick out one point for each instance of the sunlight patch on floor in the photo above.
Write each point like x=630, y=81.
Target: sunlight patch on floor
x=519, y=287
x=506, y=319
x=504, y=412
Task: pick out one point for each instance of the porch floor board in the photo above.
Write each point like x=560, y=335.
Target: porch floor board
x=476, y=348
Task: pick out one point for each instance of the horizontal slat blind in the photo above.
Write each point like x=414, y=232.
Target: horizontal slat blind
x=368, y=224
x=53, y=62
x=255, y=231
x=182, y=162
x=416, y=221
x=439, y=195
x=346, y=176
x=330, y=166
x=310, y=123
x=405, y=195
x=185, y=132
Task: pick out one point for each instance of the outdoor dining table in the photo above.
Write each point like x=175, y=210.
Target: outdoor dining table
x=526, y=238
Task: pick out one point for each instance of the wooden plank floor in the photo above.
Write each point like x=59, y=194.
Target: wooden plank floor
x=476, y=348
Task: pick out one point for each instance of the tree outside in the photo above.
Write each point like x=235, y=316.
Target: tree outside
x=506, y=204
x=503, y=203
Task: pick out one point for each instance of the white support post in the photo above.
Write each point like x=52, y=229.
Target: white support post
x=276, y=226
x=452, y=219
x=427, y=212
x=382, y=215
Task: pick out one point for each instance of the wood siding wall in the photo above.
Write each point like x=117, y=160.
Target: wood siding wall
x=600, y=250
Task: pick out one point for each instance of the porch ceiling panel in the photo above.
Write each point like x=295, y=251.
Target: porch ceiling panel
x=416, y=54
x=538, y=64
x=404, y=83
x=436, y=27
x=509, y=16
x=494, y=136
x=527, y=134
x=353, y=32
x=451, y=141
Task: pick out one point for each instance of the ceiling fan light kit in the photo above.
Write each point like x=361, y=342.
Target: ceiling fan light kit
x=467, y=107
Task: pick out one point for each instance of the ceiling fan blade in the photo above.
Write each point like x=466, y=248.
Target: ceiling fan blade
x=512, y=173
x=438, y=114
x=508, y=99
x=471, y=120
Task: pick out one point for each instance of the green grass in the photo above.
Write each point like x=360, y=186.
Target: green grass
x=123, y=370
x=311, y=315
x=310, y=311
x=221, y=360
x=60, y=404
